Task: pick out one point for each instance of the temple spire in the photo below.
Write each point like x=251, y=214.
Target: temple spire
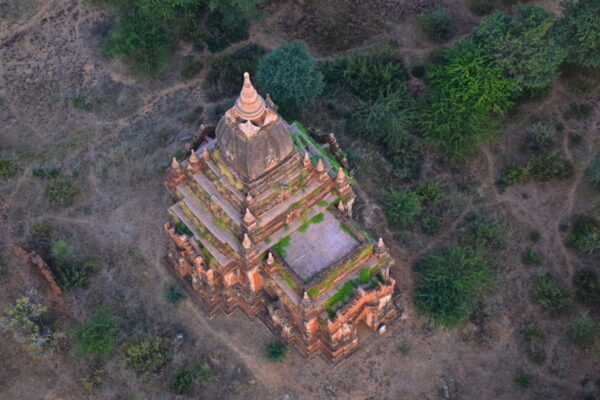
x=175, y=165
x=194, y=157
x=246, y=242
x=248, y=217
x=320, y=166
x=249, y=106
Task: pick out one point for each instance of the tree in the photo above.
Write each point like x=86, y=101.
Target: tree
x=466, y=92
x=579, y=32
x=436, y=24
x=402, y=206
x=447, y=282
x=290, y=76
x=522, y=45
x=97, y=336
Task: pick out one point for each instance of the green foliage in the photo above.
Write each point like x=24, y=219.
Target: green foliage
x=41, y=236
x=190, y=67
x=61, y=191
x=547, y=167
x=280, y=246
x=185, y=378
x=23, y=319
x=521, y=45
x=182, y=229
x=225, y=28
x=225, y=77
x=530, y=257
x=585, y=235
x=402, y=206
x=81, y=103
x=430, y=192
x=549, y=295
x=405, y=349
x=534, y=338
x=436, y=24
x=579, y=31
x=174, y=294
x=540, y=136
x=69, y=272
x=275, y=351
x=430, y=224
x=290, y=76
x=466, y=91
x=145, y=354
x=587, y=286
x=418, y=71
x=448, y=281
x=584, y=331
x=484, y=233
x=61, y=252
x=534, y=236
x=513, y=174
x=98, y=336
x=7, y=167
x=577, y=111
x=593, y=172
x=523, y=380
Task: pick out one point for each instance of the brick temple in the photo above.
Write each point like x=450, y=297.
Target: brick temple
x=262, y=223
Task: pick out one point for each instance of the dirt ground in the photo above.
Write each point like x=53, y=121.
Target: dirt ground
x=117, y=153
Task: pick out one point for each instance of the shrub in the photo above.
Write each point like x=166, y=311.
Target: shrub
x=521, y=45
x=584, y=331
x=534, y=338
x=577, y=111
x=418, y=71
x=513, y=174
x=579, y=31
x=466, y=91
x=23, y=319
x=81, y=103
x=61, y=191
x=97, y=336
x=174, y=294
x=530, y=257
x=587, y=286
x=145, y=354
x=523, y=380
x=225, y=29
x=534, y=236
x=290, y=75
x=7, y=167
x=484, y=233
x=69, y=272
x=448, y=281
x=430, y=225
x=548, y=167
x=436, y=24
x=540, y=136
x=402, y=206
x=185, y=378
x=190, y=67
x=585, y=235
x=225, y=77
x=430, y=192
x=275, y=351
x=41, y=236
x=482, y=7
x=593, y=172
x=549, y=295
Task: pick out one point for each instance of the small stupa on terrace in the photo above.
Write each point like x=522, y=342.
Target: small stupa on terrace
x=262, y=223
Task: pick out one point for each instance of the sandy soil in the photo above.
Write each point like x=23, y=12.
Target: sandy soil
x=117, y=153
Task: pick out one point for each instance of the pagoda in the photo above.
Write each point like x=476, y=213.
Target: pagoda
x=262, y=223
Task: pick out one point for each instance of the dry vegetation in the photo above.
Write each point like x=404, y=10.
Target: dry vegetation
x=84, y=144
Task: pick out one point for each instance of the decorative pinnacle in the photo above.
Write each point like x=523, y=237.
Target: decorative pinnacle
x=246, y=242
x=380, y=245
x=270, y=259
x=205, y=154
x=320, y=166
x=306, y=160
x=194, y=157
x=249, y=106
x=248, y=217
x=341, y=207
x=249, y=199
x=341, y=176
x=175, y=164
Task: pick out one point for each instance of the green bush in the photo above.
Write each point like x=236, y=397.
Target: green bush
x=430, y=224
x=225, y=77
x=7, y=167
x=69, y=272
x=523, y=380
x=61, y=191
x=402, y=206
x=584, y=331
x=430, y=192
x=436, y=24
x=98, y=336
x=482, y=7
x=540, y=136
x=579, y=31
x=447, y=283
x=530, y=257
x=534, y=338
x=587, y=286
x=484, y=233
x=275, y=351
x=549, y=295
x=577, y=111
x=467, y=90
x=182, y=381
x=81, y=103
x=534, y=236
x=174, y=294
x=145, y=354
x=585, y=235
x=513, y=174
x=521, y=45
x=225, y=29
x=289, y=74
x=549, y=167
x=593, y=172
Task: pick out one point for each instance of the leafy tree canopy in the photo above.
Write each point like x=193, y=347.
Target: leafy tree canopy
x=579, y=31
x=522, y=45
